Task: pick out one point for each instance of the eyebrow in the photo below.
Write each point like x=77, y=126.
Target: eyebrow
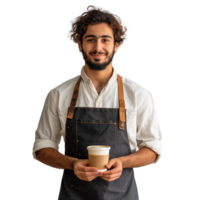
x=102, y=36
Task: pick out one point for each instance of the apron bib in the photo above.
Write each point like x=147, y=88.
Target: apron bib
x=97, y=126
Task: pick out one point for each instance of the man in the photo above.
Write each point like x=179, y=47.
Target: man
x=98, y=107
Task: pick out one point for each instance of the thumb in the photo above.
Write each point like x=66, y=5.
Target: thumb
x=110, y=163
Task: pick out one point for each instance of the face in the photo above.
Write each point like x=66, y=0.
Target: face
x=98, y=46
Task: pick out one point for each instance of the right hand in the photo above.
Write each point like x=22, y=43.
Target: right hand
x=83, y=171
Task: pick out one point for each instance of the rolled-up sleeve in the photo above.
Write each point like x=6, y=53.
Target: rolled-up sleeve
x=48, y=130
x=148, y=129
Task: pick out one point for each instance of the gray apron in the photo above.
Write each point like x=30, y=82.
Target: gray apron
x=93, y=126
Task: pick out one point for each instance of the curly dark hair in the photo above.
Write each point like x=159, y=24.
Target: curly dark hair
x=96, y=16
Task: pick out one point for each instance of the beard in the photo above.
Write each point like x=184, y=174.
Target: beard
x=95, y=65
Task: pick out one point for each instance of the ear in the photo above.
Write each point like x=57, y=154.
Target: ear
x=79, y=45
x=116, y=46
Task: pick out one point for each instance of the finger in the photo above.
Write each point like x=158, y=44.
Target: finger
x=110, y=172
x=110, y=175
x=109, y=179
x=87, y=174
x=93, y=169
x=89, y=171
x=104, y=178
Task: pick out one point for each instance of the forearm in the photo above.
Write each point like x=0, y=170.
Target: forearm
x=142, y=157
x=54, y=158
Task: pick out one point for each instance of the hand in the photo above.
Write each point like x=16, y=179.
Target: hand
x=115, y=172
x=83, y=171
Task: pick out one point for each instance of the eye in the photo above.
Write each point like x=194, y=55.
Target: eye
x=103, y=39
x=90, y=40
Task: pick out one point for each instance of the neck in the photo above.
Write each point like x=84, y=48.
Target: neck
x=99, y=77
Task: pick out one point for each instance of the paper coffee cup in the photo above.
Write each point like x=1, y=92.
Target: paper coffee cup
x=98, y=156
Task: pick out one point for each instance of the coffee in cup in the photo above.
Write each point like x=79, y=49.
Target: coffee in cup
x=98, y=156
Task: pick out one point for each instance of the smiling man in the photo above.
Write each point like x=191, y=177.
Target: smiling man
x=98, y=50
x=98, y=107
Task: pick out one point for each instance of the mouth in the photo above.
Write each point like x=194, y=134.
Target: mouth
x=98, y=55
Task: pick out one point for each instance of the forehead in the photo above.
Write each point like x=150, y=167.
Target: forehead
x=99, y=30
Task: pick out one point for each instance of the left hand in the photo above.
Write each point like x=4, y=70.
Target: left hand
x=116, y=170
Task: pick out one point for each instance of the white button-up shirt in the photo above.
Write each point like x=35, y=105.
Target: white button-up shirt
x=141, y=119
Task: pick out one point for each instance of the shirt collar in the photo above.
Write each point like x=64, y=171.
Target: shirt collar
x=88, y=80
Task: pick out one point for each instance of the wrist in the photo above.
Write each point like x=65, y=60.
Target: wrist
x=127, y=161
x=73, y=163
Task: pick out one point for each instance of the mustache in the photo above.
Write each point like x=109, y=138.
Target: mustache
x=95, y=52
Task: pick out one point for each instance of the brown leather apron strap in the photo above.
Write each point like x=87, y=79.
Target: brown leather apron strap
x=122, y=118
x=74, y=99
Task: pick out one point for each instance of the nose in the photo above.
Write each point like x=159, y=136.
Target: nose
x=98, y=46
